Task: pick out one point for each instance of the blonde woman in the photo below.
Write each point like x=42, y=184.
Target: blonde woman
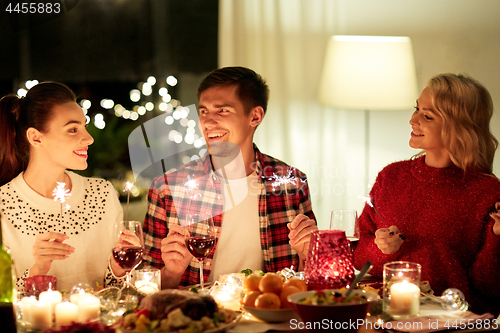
x=435, y=209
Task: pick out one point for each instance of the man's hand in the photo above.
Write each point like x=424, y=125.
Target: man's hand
x=389, y=240
x=47, y=248
x=175, y=255
x=300, y=234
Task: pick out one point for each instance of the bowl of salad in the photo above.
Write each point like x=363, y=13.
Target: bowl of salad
x=330, y=309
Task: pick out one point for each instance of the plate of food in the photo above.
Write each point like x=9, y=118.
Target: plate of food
x=176, y=311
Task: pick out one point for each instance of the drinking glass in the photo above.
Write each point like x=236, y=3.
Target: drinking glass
x=128, y=250
x=200, y=238
x=347, y=220
x=401, y=289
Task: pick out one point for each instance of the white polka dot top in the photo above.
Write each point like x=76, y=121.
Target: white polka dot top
x=89, y=221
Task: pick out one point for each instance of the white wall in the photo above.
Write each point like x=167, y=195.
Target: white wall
x=458, y=36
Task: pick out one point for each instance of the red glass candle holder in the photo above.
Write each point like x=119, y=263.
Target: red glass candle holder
x=329, y=263
x=34, y=285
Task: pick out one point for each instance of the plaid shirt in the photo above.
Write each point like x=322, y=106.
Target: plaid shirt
x=169, y=201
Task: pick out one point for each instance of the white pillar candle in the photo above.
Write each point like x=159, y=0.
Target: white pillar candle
x=76, y=297
x=26, y=304
x=405, y=298
x=51, y=297
x=66, y=313
x=89, y=308
x=41, y=314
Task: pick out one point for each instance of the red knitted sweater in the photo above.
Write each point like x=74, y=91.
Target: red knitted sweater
x=444, y=218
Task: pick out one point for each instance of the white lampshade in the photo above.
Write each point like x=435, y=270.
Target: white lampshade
x=369, y=73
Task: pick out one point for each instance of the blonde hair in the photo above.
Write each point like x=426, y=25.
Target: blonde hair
x=466, y=108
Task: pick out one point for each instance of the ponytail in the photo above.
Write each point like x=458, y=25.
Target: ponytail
x=12, y=160
x=19, y=114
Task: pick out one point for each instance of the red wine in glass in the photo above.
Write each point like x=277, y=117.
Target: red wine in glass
x=127, y=251
x=199, y=237
x=128, y=258
x=201, y=246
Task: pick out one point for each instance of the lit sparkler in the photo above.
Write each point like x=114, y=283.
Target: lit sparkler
x=368, y=200
x=60, y=193
x=289, y=178
x=128, y=187
x=191, y=185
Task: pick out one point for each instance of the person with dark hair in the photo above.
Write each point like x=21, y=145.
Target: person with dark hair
x=436, y=209
x=257, y=226
x=41, y=136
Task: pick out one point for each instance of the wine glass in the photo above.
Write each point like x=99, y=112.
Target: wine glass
x=347, y=220
x=128, y=250
x=200, y=238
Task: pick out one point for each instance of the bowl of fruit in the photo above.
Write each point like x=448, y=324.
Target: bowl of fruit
x=266, y=297
x=332, y=308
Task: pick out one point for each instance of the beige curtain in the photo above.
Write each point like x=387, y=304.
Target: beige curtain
x=285, y=42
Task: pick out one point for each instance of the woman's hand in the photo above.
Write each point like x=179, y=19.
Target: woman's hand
x=127, y=239
x=300, y=235
x=496, y=217
x=389, y=240
x=47, y=248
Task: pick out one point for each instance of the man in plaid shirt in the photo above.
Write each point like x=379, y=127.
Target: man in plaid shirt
x=267, y=222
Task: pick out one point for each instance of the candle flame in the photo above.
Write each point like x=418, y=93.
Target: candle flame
x=60, y=193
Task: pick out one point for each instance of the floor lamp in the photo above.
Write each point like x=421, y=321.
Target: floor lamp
x=368, y=73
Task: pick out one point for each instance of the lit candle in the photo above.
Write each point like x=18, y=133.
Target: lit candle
x=405, y=298
x=26, y=304
x=147, y=288
x=227, y=296
x=66, y=313
x=76, y=297
x=89, y=308
x=41, y=314
x=51, y=297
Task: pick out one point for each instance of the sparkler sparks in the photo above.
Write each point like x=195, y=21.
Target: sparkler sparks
x=128, y=187
x=368, y=200
x=290, y=179
x=191, y=185
x=60, y=193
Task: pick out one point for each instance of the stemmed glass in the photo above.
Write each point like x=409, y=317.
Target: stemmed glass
x=346, y=219
x=128, y=250
x=200, y=238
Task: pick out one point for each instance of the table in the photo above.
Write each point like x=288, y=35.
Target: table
x=250, y=324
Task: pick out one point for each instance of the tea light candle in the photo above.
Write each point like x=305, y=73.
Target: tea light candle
x=147, y=288
x=26, y=304
x=405, y=298
x=226, y=296
x=66, y=313
x=89, y=308
x=41, y=314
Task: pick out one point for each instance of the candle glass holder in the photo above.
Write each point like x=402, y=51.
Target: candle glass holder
x=329, y=263
x=401, y=289
x=34, y=285
x=147, y=280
